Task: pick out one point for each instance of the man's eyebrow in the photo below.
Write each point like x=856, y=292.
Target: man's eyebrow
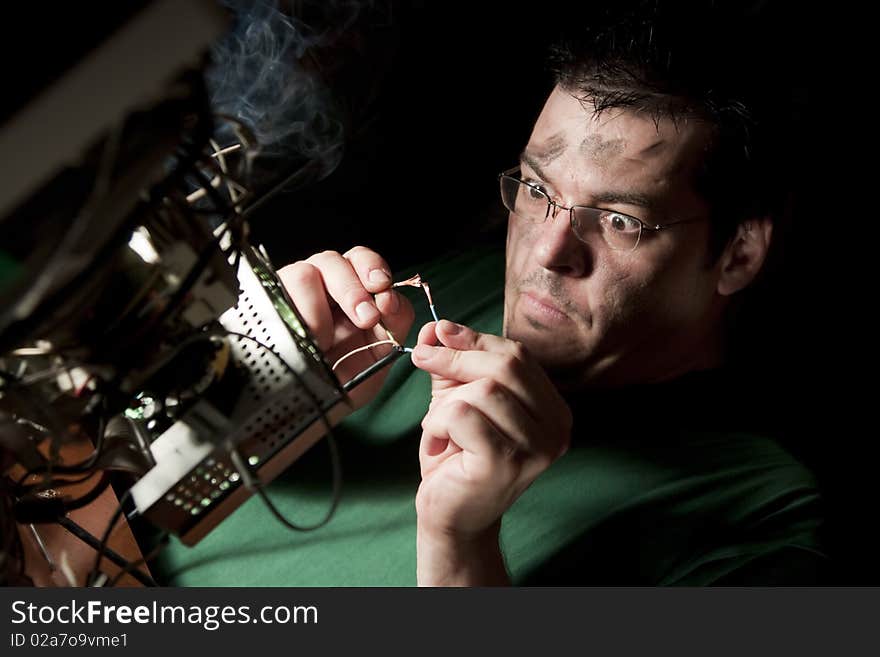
x=544, y=153
x=533, y=162
x=599, y=198
x=623, y=198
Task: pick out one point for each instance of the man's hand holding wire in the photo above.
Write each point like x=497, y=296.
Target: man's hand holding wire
x=495, y=423
x=347, y=302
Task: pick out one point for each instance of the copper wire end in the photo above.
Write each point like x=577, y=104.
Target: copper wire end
x=416, y=281
x=412, y=281
x=427, y=292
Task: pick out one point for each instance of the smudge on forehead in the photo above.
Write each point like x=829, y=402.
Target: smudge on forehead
x=602, y=151
x=549, y=150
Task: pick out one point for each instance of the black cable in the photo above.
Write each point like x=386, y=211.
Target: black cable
x=360, y=377
x=21, y=489
x=34, y=508
x=90, y=496
x=191, y=278
x=252, y=482
x=132, y=565
x=175, y=351
x=83, y=467
x=102, y=546
x=251, y=478
x=203, y=259
x=40, y=415
x=221, y=207
x=86, y=466
x=103, y=551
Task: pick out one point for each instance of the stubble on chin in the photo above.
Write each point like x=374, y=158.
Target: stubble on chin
x=552, y=286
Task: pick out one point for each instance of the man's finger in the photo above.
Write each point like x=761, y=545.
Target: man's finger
x=527, y=382
x=468, y=428
x=375, y=275
x=459, y=336
x=397, y=314
x=464, y=338
x=306, y=288
x=505, y=412
x=428, y=335
x=346, y=288
x=371, y=268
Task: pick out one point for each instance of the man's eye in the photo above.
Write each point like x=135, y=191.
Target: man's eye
x=620, y=223
x=535, y=191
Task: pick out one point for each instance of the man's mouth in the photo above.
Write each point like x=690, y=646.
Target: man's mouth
x=543, y=309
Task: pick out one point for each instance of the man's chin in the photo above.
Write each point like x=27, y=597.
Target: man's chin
x=555, y=353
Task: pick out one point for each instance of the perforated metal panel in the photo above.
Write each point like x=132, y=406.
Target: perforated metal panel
x=286, y=390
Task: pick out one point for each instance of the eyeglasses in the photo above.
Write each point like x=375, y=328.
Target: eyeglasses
x=620, y=231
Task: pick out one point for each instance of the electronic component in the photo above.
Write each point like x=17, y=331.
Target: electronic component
x=135, y=316
x=283, y=398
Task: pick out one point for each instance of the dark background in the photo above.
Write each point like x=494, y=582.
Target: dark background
x=438, y=97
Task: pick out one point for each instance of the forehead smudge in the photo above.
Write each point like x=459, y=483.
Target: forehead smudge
x=549, y=150
x=602, y=151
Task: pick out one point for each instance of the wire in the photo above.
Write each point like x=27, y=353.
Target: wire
x=251, y=478
x=364, y=348
x=22, y=489
x=83, y=466
x=427, y=290
x=252, y=482
x=223, y=151
x=82, y=387
x=413, y=281
x=244, y=133
x=103, y=551
x=416, y=281
x=219, y=155
x=36, y=508
x=360, y=377
x=102, y=546
x=191, y=278
x=90, y=496
x=131, y=566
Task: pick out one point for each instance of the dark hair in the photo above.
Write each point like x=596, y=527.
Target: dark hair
x=694, y=60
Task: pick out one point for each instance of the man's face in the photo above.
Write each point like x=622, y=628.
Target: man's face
x=591, y=314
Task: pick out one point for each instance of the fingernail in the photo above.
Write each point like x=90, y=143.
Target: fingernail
x=379, y=276
x=366, y=311
x=423, y=352
x=451, y=327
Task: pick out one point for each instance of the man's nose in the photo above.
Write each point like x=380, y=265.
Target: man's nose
x=558, y=249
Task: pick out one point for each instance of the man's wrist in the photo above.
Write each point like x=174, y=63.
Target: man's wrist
x=447, y=560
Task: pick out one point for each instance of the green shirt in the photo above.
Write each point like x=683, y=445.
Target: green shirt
x=670, y=490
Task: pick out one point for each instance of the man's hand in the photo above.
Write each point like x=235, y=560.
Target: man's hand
x=495, y=423
x=334, y=295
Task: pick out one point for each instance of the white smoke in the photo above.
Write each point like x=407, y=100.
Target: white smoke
x=266, y=73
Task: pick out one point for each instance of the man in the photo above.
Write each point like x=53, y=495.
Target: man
x=641, y=208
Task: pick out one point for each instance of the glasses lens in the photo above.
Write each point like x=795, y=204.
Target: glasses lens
x=621, y=232
x=524, y=200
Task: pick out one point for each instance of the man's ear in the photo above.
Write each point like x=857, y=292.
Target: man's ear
x=744, y=255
